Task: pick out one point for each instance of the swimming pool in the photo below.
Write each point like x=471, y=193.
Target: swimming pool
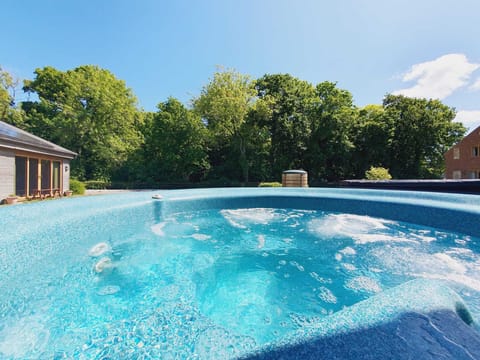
x=227, y=273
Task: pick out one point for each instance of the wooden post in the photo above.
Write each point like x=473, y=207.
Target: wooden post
x=27, y=192
x=39, y=176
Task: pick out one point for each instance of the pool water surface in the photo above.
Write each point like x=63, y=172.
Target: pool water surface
x=217, y=283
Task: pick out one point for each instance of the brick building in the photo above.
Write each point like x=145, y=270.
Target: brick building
x=462, y=161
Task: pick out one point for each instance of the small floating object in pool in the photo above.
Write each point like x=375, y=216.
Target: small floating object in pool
x=103, y=265
x=108, y=290
x=157, y=197
x=99, y=249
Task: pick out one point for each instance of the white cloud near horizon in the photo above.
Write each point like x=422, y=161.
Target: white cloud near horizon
x=439, y=78
x=469, y=118
x=476, y=85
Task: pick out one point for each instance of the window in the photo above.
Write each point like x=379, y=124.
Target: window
x=475, y=151
x=457, y=174
x=20, y=175
x=474, y=174
x=456, y=153
x=56, y=175
x=45, y=168
x=33, y=176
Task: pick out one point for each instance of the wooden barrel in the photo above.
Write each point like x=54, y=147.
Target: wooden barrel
x=295, y=178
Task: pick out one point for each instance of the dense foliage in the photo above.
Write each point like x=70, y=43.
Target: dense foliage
x=237, y=130
x=77, y=187
x=175, y=145
x=86, y=110
x=377, y=173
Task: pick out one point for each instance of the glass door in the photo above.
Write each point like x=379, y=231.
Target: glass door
x=33, y=176
x=56, y=175
x=20, y=175
x=45, y=167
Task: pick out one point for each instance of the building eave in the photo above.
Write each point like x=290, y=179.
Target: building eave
x=18, y=146
x=14, y=138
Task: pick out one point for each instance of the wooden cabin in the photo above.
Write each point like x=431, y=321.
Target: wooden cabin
x=31, y=166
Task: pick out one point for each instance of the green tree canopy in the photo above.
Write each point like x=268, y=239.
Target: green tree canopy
x=423, y=130
x=6, y=99
x=372, y=137
x=86, y=110
x=239, y=129
x=224, y=104
x=175, y=144
x=8, y=110
x=289, y=100
x=331, y=118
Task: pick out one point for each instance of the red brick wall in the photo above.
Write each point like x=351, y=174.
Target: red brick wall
x=467, y=162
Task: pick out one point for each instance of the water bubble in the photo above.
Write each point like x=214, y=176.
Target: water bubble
x=261, y=241
x=104, y=264
x=99, y=249
x=327, y=295
x=158, y=229
x=348, y=251
x=201, y=237
x=108, y=290
x=320, y=279
x=349, y=267
x=297, y=266
x=363, y=283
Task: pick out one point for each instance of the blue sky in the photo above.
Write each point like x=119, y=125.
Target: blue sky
x=420, y=48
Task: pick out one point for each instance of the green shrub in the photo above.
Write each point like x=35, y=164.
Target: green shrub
x=270, y=184
x=377, y=173
x=77, y=187
x=97, y=184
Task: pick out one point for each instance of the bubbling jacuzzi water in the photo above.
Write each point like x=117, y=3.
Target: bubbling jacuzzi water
x=219, y=283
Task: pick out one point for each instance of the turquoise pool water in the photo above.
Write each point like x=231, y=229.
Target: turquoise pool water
x=131, y=277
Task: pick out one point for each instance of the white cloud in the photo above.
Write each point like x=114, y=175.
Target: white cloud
x=439, y=78
x=476, y=85
x=469, y=118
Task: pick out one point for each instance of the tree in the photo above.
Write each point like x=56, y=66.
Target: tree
x=372, y=136
x=175, y=144
x=6, y=100
x=224, y=104
x=8, y=88
x=329, y=147
x=423, y=130
x=86, y=110
x=289, y=100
